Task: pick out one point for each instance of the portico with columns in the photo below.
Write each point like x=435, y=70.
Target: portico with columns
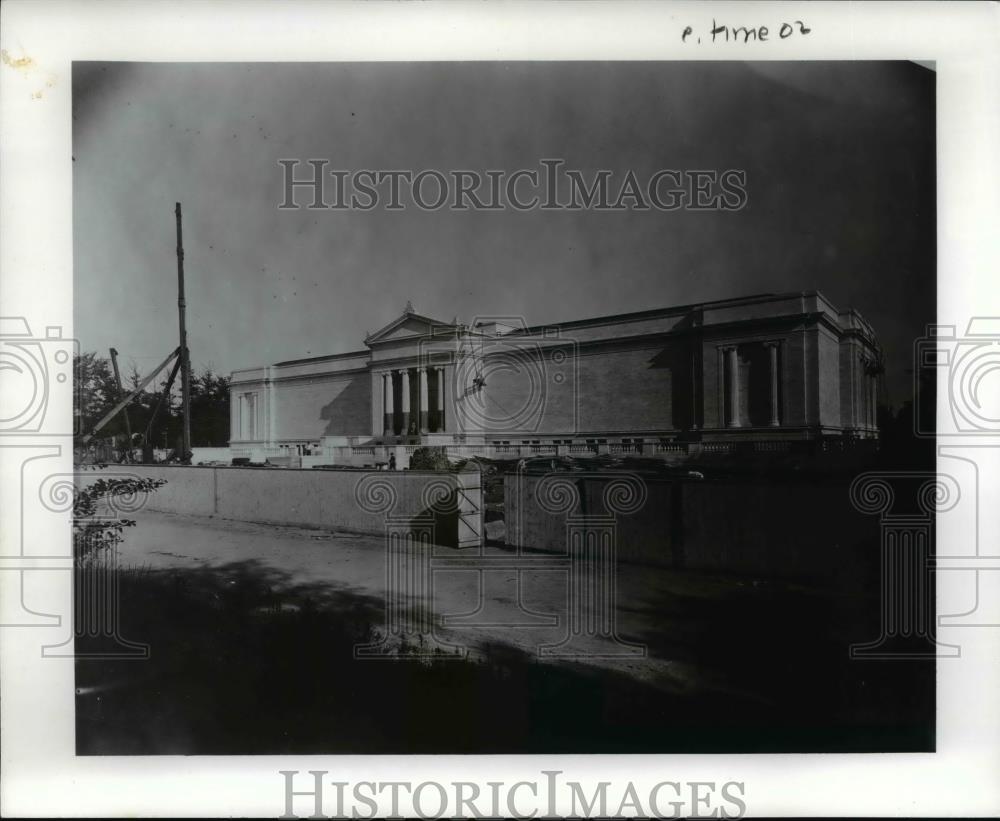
x=418, y=394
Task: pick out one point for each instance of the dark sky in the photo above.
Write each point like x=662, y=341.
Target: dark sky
x=839, y=159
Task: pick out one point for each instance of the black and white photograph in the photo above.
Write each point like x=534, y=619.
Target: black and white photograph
x=399, y=410
x=531, y=379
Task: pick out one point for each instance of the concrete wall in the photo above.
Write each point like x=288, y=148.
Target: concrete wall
x=304, y=498
x=766, y=530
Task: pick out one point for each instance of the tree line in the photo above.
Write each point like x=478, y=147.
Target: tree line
x=96, y=393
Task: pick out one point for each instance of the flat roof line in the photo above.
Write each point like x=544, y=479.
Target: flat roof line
x=674, y=309
x=326, y=358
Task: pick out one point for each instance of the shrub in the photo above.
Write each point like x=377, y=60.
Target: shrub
x=430, y=459
x=93, y=535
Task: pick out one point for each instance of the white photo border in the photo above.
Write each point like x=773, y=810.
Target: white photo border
x=40, y=40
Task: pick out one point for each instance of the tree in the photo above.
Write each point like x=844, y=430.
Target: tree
x=95, y=391
x=209, y=410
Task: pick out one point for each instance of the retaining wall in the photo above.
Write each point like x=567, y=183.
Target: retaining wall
x=333, y=499
x=762, y=529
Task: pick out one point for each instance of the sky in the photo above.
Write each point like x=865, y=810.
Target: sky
x=839, y=160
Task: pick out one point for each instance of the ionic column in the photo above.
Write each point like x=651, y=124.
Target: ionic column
x=440, y=399
x=734, y=387
x=773, y=349
x=404, y=399
x=387, y=408
x=422, y=421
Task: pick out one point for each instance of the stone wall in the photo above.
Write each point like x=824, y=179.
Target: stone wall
x=352, y=500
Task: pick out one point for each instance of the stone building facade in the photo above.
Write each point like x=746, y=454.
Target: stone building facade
x=766, y=369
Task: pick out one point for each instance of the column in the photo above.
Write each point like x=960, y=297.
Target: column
x=404, y=399
x=856, y=396
x=422, y=422
x=440, y=399
x=387, y=407
x=734, y=387
x=235, y=419
x=773, y=351
x=695, y=404
x=272, y=401
x=872, y=402
x=866, y=383
x=249, y=431
x=862, y=392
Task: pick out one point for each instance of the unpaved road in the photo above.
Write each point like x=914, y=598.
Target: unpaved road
x=474, y=605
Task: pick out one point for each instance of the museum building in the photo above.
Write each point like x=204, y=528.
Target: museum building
x=765, y=369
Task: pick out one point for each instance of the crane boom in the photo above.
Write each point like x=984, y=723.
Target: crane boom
x=139, y=388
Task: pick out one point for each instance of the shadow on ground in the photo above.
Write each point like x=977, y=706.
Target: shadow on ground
x=243, y=662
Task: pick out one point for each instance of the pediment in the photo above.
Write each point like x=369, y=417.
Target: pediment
x=407, y=326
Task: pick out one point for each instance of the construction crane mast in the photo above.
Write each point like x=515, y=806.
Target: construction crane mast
x=185, y=353
x=182, y=364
